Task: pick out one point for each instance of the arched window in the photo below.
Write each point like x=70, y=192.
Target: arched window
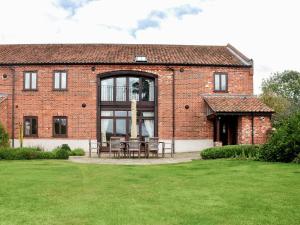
x=115, y=95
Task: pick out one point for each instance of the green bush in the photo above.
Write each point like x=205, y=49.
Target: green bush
x=66, y=147
x=24, y=154
x=61, y=153
x=284, y=143
x=31, y=153
x=231, y=151
x=77, y=152
x=4, y=138
x=297, y=159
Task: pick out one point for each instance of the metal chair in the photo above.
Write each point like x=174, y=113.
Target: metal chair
x=134, y=145
x=153, y=146
x=115, y=146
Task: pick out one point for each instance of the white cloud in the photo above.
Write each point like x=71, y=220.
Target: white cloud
x=264, y=30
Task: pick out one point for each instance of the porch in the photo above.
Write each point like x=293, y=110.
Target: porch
x=238, y=119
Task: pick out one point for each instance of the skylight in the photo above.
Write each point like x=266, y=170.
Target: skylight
x=141, y=59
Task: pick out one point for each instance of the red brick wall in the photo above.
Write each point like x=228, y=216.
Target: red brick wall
x=82, y=83
x=261, y=125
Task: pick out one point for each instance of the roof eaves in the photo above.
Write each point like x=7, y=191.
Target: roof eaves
x=120, y=63
x=244, y=59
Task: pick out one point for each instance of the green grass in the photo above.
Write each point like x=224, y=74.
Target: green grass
x=223, y=192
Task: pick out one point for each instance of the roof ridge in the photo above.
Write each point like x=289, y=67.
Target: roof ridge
x=113, y=44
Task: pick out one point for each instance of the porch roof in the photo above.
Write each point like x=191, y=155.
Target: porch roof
x=218, y=104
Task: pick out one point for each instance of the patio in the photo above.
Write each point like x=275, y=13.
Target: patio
x=177, y=158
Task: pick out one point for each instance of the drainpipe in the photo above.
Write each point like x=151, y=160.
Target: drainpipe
x=13, y=106
x=173, y=110
x=252, y=124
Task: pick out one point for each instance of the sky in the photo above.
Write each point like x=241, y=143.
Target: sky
x=268, y=31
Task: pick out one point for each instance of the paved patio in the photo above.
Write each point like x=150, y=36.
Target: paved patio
x=178, y=158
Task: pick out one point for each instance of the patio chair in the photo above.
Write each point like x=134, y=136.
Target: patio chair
x=134, y=145
x=153, y=147
x=115, y=146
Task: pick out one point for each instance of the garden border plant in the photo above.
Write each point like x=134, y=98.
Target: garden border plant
x=232, y=151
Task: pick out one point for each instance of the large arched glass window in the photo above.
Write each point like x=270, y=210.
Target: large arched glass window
x=122, y=89
x=115, y=96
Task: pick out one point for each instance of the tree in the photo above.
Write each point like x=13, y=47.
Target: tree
x=282, y=93
x=4, y=138
x=284, y=143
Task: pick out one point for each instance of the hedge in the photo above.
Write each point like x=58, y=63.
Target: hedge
x=77, y=152
x=231, y=151
x=31, y=153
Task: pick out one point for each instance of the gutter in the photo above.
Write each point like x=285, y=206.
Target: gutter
x=173, y=110
x=13, y=106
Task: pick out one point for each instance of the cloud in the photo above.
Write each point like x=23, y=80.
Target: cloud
x=270, y=37
x=155, y=17
x=186, y=10
x=72, y=5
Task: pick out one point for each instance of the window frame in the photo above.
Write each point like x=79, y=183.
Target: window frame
x=30, y=81
x=127, y=94
x=220, y=82
x=37, y=126
x=139, y=117
x=60, y=80
x=53, y=127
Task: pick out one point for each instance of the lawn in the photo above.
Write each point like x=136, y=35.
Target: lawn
x=223, y=192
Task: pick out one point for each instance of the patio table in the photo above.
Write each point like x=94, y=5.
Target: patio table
x=146, y=148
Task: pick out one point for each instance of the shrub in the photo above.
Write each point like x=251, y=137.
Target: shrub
x=77, y=152
x=297, y=159
x=284, y=143
x=61, y=153
x=231, y=151
x=24, y=154
x=66, y=147
x=4, y=138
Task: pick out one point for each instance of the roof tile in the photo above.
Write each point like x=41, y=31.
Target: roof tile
x=119, y=53
x=236, y=103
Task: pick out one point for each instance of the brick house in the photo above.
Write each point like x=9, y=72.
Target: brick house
x=195, y=96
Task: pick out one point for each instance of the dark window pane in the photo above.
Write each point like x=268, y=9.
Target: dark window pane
x=107, y=90
x=57, y=80
x=147, y=128
x=223, y=82
x=134, y=87
x=56, y=126
x=147, y=90
x=121, y=89
x=120, y=127
x=33, y=126
x=27, y=126
x=107, y=113
x=106, y=129
x=63, y=126
x=33, y=80
x=63, y=84
x=120, y=113
x=148, y=114
x=217, y=82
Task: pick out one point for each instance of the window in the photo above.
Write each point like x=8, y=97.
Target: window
x=60, y=80
x=60, y=126
x=118, y=123
x=126, y=89
x=30, y=126
x=221, y=82
x=30, y=80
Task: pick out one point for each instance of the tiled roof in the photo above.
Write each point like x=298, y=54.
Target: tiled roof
x=121, y=54
x=2, y=98
x=236, y=103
